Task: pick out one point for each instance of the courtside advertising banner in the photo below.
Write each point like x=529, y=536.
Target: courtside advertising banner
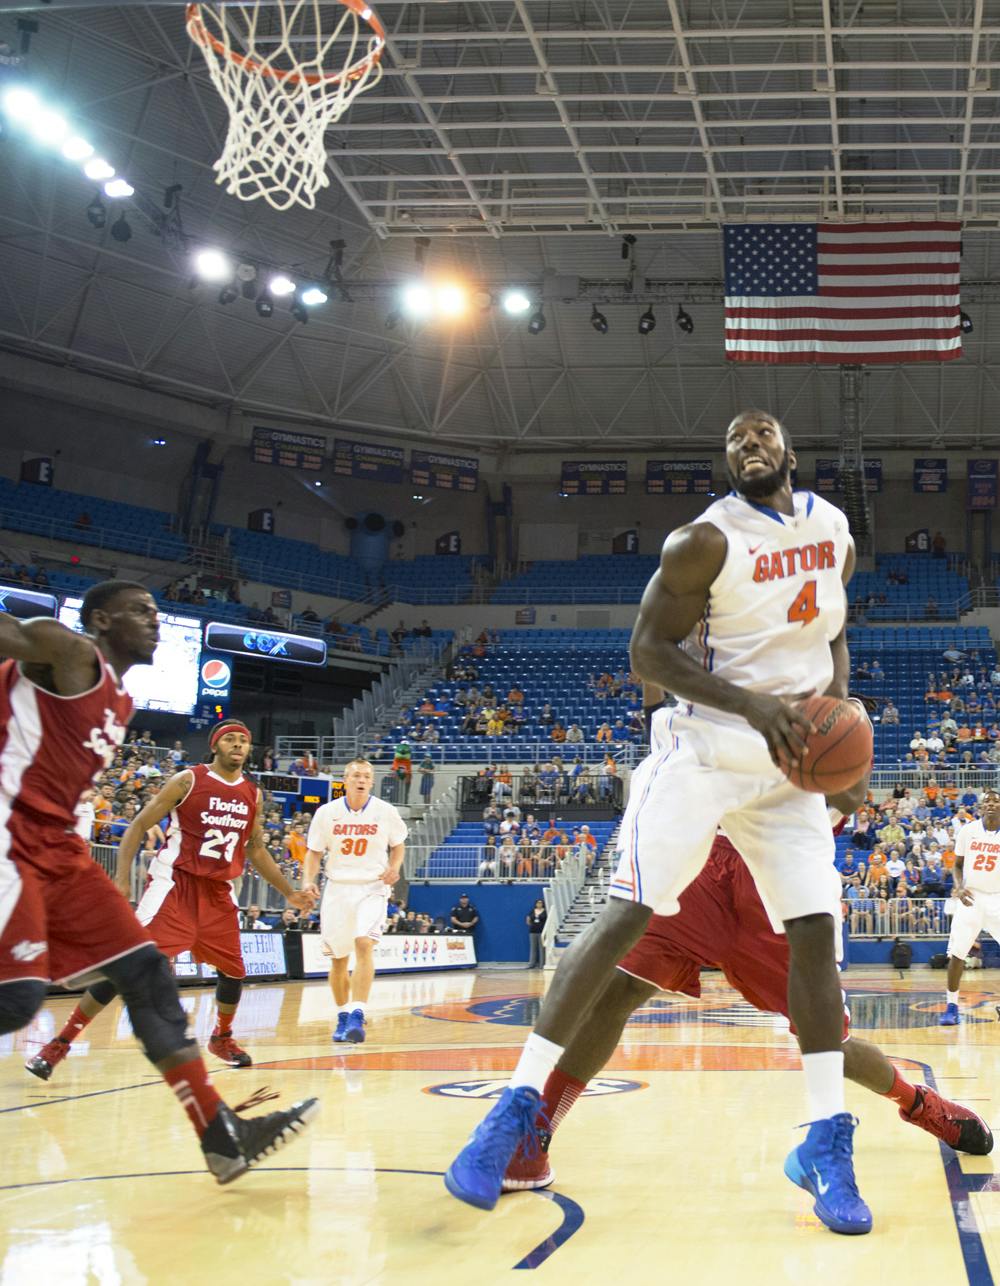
x=398, y=952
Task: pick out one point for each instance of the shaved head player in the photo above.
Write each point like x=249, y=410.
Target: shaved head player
x=63, y=714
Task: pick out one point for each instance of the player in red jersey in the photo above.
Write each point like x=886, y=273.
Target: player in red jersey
x=188, y=904
x=63, y=714
x=722, y=924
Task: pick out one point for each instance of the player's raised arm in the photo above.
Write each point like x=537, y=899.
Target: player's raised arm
x=672, y=605
x=264, y=864
x=162, y=803
x=46, y=642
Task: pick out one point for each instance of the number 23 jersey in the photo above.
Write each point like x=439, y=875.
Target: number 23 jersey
x=356, y=844
x=207, y=832
x=778, y=601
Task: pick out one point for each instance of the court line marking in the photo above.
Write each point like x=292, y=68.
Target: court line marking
x=73, y=1098
x=572, y=1212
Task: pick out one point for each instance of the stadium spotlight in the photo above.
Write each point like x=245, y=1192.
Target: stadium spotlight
x=121, y=229
x=516, y=302
x=628, y=241
x=21, y=104
x=313, y=296
x=246, y=275
x=598, y=321
x=281, y=285
x=97, y=215
x=450, y=301
x=647, y=322
x=98, y=169
x=212, y=265
x=228, y=294
x=48, y=127
x=966, y=320
x=417, y=300
x=118, y=188
x=264, y=304
x=77, y=149
x=685, y=321
x=536, y=322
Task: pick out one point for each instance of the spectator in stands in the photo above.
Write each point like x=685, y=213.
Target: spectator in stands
x=895, y=868
x=515, y=697
x=289, y=921
x=422, y=631
x=83, y=520
x=574, y=734
x=305, y=765
x=464, y=916
x=507, y=856
x=931, y=609
x=251, y=921
x=607, y=777
x=529, y=785
x=535, y=920
x=890, y=714
x=178, y=755
x=488, y=862
x=862, y=674
x=494, y=724
x=546, y=715
x=503, y=787
x=510, y=825
x=918, y=741
x=307, y=614
x=582, y=787
x=604, y=732
x=558, y=732
x=426, y=770
x=939, y=546
x=585, y=843
x=268, y=760
x=878, y=674
x=619, y=731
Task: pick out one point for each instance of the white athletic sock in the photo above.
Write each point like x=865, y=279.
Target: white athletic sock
x=538, y=1058
x=824, y=1084
x=952, y=997
x=360, y=1004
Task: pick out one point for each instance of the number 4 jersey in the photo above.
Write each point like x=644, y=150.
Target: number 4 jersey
x=356, y=844
x=980, y=853
x=207, y=832
x=778, y=601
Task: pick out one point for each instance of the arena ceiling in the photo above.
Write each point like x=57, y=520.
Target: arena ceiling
x=524, y=139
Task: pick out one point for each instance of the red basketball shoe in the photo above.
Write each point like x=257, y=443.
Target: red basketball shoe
x=48, y=1057
x=529, y=1171
x=226, y=1048
x=955, y=1125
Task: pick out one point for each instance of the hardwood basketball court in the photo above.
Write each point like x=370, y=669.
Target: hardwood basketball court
x=671, y=1171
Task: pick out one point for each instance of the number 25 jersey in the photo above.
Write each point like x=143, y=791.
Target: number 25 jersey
x=207, y=832
x=778, y=601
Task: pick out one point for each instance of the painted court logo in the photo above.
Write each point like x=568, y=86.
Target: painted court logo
x=598, y=1087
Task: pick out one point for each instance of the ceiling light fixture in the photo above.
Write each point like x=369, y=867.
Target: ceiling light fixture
x=117, y=189
x=98, y=169
x=516, y=302
x=966, y=320
x=77, y=148
x=97, y=215
x=264, y=304
x=647, y=322
x=598, y=321
x=299, y=311
x=685, y=321
x=313, y=296
x=536, y=323
x=121, y=229
x=280, y=285
x=212, y=265
x=228, y=294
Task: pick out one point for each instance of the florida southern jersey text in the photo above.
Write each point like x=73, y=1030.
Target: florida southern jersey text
x=778, y=600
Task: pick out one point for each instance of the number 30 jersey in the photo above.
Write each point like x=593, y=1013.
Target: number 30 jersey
x=207, y=832
x=356, y=844
x=778, y=601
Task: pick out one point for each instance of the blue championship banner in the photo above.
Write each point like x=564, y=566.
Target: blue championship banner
x=930, y=474
x=982, y=484
x=446, y=472
x=594, y=478
x=287, y=449
x=678, y=477
x=368, y=460
x=828, y=476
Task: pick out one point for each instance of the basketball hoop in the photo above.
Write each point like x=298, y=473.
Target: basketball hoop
x=271, y=66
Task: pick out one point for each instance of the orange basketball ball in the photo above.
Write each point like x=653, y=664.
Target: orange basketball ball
x=840, y=750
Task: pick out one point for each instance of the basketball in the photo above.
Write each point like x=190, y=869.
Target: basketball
x=840, y=750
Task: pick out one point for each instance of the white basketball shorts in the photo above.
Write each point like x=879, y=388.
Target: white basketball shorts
x=350, y=911
x=705, y=775
x=969, y=921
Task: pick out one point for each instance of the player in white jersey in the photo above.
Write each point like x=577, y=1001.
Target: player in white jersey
x=977, y=889
x=362, y=841
x=745, y=616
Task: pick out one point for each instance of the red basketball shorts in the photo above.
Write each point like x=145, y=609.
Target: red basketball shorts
x=187, y=913
x=721, y=924
x=61, y=918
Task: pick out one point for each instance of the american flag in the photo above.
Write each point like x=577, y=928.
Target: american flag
x=843, y=293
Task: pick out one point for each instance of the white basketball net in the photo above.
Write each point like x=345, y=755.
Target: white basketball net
x=285, y=71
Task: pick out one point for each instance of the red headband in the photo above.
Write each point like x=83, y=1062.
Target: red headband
x=227, y=725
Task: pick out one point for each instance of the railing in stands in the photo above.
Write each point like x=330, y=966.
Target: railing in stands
x=480, y=863
x=899, y=917
x=526, y=790
x=130, y=542
x=559, y=897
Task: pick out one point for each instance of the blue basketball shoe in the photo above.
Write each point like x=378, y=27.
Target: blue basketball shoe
x=340, y=1035
x=824, y=1166
x=951, y=1017
x=355, y=1031
x=476, y=1174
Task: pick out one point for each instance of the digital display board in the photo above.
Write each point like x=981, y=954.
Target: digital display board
x=930, y=474
x=828, y=476
x=287, y=449
x=678, y=477
x=263, y=955
x=170, y=684
x=446, y=472
x=26, y=603
x=594, y=478
x=265, y=644
x=368, y=460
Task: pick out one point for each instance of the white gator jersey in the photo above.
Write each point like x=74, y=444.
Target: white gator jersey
x=356, y=844
x=778, y=601
x=980, y=851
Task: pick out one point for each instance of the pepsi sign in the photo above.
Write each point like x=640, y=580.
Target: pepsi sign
x=215, y=678
x=264, y=643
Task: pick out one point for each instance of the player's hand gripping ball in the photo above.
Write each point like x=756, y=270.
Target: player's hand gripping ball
x=840, y=750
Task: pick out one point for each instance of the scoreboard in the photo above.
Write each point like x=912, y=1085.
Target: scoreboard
x=678, y=477
x=367, y=460
x=446, y=472
x=288, y=450
x=594, y=478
